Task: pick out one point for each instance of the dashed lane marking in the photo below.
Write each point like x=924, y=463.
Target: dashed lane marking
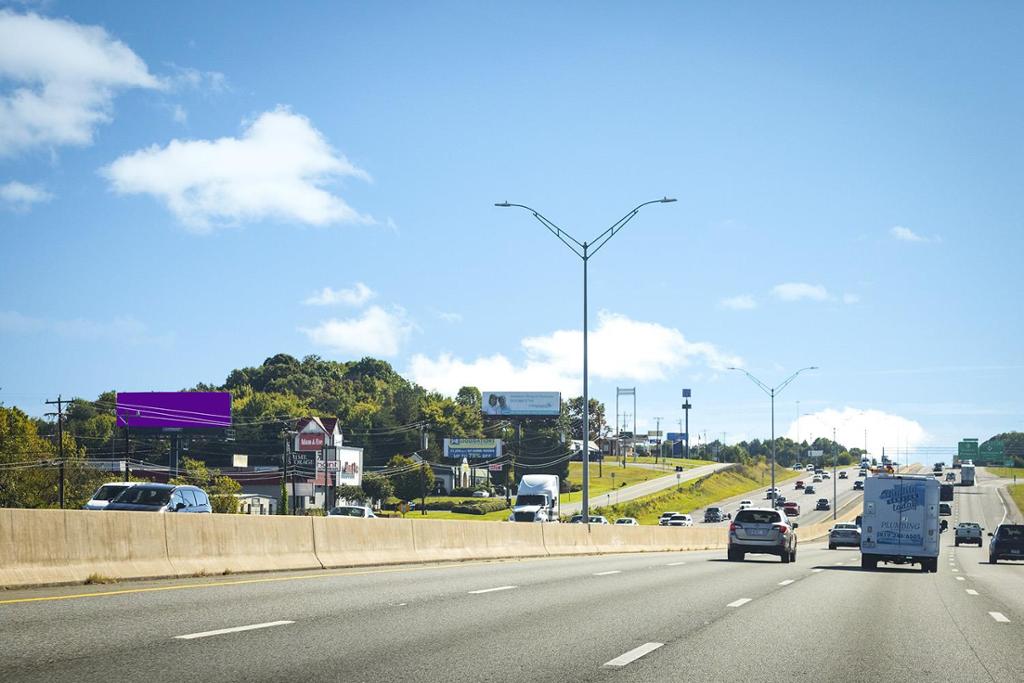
x=819, y=569
x=235, y=629
x=739, y=603
x=614, y=571
x=960, y=578
x=492, y=590
x=1000, y=617
x=675, y=564
x=971, y=591
x=786, y=582
x=634, y=654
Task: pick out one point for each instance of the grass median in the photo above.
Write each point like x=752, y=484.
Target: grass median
x=698, y=493
x=1007, y=472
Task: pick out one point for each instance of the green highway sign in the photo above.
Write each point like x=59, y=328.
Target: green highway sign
x=992, y=453
x=967, y=449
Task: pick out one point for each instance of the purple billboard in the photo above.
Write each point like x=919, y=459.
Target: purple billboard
x=174, y=409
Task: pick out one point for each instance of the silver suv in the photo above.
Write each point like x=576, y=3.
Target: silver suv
x=764, y=531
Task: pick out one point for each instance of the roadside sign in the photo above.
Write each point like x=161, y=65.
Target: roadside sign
x=967, y=449
x=495, y=467
x=991, y=453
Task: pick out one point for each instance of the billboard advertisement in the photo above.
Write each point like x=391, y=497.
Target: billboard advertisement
x=676, y=436
x=173, y=409
x=472, y=449
x=348, y=463
x=522, y=403
x=311, y=441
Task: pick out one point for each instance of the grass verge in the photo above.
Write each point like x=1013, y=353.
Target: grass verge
x=698, y=493
x=1007, y=472
x=1017, y=493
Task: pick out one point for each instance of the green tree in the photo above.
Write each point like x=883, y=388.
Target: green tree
x=411, y=480
x=377, y=488
x=349, y=492
x=572, y=411
x=282, y=501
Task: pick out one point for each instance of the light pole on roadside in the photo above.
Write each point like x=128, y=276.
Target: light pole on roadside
x=585, y=250
x=772, y=392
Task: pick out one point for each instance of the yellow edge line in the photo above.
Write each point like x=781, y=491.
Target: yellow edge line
x=241, y=582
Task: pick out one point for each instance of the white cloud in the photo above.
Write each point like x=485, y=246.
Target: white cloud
x=180, y=114
x=60, y=80
x=187, y=77
x=20, y=196
x=743, y=302
x=795, y=291
x=375, y=333
x=620, y=348
x=277, y=168
x=120, y=330
x=450, y=317
x=850, y=298
x=905, y=234
x=358, y=295
x=883, y=429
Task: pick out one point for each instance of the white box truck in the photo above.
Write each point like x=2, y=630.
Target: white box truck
x=536, y=499
x=900, y=522
x=967, y=475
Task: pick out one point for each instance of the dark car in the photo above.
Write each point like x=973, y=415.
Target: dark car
x=945, y=510
x=1007, y=543
x=858, y=485
x=823, y=504
x=161, y=498
x=762, y=530
x=714, y=514
x=808, y=489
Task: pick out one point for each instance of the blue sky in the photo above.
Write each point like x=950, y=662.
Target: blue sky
x=184, y=191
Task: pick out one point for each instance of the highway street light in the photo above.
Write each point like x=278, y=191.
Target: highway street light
x=773, y=391
x=585, y=250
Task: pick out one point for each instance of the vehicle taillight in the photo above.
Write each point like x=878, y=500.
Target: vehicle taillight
x=733, y=526
x=783, y=529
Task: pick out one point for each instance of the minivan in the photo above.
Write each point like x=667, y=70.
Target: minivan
x=161, y=498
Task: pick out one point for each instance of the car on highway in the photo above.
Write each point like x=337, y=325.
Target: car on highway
x=967, y=532
x=791, y=508
x=680, y=520
x=950, y=476
x=106, y=493
x=817, y=479
x=764, y=531
x=862, y=472
x=826, y=475
x=627, y=521
x=771, y=493
x=810, y=468
x=798, y=467
x=715, y=514
x=945, y=510
x=593, y=519
x=808, y=489
x=858, y=485
x=799, y=484
x=844, y=534
x=481, y=494
x=822, y=504
x=665, y=516
x=359, y=511
x=844, y=475
x=160, y=498
x=744, y=504
x=1007, y=543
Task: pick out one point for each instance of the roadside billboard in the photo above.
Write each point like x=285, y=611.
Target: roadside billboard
x=472, y=449
x=174, y=409
x=675, y=436
x=311, y=441
x=348, y=463
x=522, y=403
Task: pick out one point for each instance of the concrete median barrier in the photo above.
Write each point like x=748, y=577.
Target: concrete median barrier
x=567, y=539
x=344, y=542
x=217, y=544
x=40, y=547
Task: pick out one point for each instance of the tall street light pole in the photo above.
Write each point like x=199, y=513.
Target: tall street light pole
x=772, y=392
x=585, y=250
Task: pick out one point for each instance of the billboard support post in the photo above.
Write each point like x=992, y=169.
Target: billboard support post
x=585, y=250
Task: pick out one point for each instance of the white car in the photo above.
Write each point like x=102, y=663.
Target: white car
x=351, y=511
x=680, y=520
x=627, y=521
x=817, y=479
x=810, y=468
x=826, y=475
x=106, y=493
x=744, y=504
x=665, y=516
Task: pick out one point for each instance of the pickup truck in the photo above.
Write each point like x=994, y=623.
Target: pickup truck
x=968, y=532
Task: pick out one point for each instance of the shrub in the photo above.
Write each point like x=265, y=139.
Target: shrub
x=479, y=506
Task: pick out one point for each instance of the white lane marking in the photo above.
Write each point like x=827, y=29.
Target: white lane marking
x=954, y=570
x=614, y=571
x=235, y=629
x=960, y=578
x=634, y=654
x=786, y=582
x=492, y=590
x=839, y=564
x=1000, y=617
x=739, y=603
x=971, y=591
x=674, y=564
x=819, y=569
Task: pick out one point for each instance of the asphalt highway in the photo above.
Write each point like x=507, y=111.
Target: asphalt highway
x=644, y=617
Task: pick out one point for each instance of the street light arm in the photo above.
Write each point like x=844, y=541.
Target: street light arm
x=552, y=228
x=792, y=377
x=603, y=238
x=764, y=387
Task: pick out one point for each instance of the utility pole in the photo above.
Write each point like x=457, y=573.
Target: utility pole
x=60, y=444
x=686, y=411
x=424, y=443
x=657, y=437
x=835, y=457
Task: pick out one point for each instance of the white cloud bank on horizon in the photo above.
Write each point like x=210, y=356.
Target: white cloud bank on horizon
x=122, y=329
x=278, y=168
x=375, y=332
x=883, y=429
x=357, y=295
x=620, y=348
x=61, y=79
x=797, y=291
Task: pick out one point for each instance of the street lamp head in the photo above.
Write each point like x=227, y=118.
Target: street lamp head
x=814, y=367
x=666, y=200
x=502, y=204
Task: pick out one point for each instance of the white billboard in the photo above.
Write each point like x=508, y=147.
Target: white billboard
x=473, y=449
x=522, y=403
x=347, y=462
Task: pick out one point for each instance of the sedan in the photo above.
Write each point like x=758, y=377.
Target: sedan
x=817, y=479
x=680, y=520
x=843, y=475
x=791, y=508
x=352, y=511
x=823, y=504
x=744, y=504
x=627, y=521
x=1007, y=543
x=858, y=485
x=809, y=489
x=665, y=516
x=844, y=534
